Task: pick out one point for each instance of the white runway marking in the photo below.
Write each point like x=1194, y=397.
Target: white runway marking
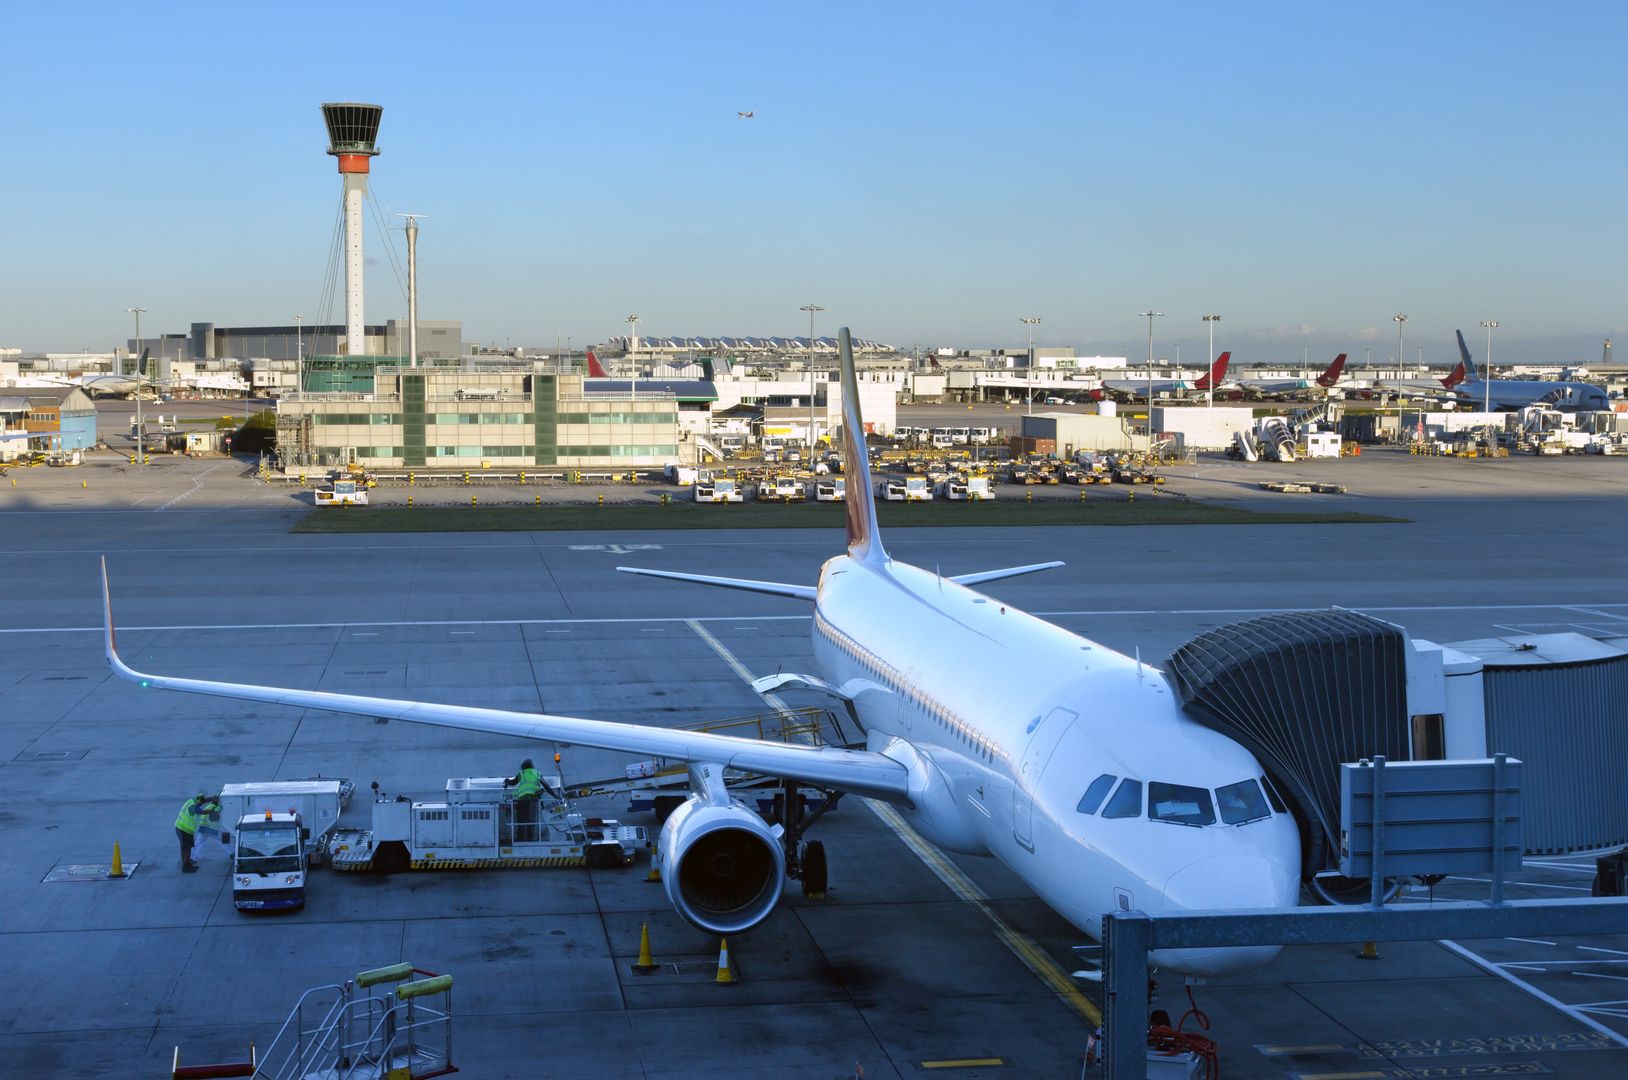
x=1532, y=941
x=1575, y=1013
x=1104, y=613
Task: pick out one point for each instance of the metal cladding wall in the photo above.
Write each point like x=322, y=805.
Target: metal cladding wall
x=1568, y=723
x=1304, y=692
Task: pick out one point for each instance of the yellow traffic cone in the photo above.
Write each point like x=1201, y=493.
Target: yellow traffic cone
x=117, y=869
x=726, y=974
x=655, y=865
x=646, y=964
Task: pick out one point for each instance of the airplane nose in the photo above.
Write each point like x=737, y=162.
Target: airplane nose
x=1223, y=882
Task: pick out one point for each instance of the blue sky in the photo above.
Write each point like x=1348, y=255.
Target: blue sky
x=927, y=172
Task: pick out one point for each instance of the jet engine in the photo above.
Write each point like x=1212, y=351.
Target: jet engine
x=721, y=865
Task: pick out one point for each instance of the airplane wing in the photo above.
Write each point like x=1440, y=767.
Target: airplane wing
x=998, y=575
x=861, y=772
x=772, y=588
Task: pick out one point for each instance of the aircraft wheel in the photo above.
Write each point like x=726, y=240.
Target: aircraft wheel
x=815, y=876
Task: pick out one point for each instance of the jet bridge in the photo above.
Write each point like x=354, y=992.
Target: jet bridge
x=1303, y=692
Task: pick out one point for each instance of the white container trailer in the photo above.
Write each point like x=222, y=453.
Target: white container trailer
x=275, y=831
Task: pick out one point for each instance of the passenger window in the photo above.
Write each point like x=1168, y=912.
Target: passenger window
x=1096, y=793
x=1127, y=801
x=1180, y=805
x=1273, y=797
x=1241, y=802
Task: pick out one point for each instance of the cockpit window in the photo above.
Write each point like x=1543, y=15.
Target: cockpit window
x=1273, y=796
x=1096, y=793
x=1127, y=801
x=1241, y=802
x=1180, y=805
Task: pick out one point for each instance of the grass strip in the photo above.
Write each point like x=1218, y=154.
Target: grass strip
x=689, y=515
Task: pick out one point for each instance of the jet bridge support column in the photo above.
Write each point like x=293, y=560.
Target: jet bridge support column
x=1126, y=938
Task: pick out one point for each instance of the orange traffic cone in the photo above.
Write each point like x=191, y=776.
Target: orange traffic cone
x=117, y=869
x=726, y=974
x=646, y=964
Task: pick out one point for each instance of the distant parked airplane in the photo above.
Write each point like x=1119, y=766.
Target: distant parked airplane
x=1510, y=395
x=596, y=370
x=1280, y=387
x=1141, y=388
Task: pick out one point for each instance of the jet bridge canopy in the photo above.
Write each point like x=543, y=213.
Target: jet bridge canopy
x=1303, y=692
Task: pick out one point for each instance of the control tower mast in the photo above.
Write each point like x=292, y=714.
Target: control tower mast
x=353, y=130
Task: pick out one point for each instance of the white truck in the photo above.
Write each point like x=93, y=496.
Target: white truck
x=275, y=832
x=342, y=493
x=834, y=489
x=717, y=491
x=477, y=825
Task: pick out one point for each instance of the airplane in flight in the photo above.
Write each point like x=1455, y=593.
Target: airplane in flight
x=747, y=115
x=1075, y=766
x=1285, y=387
x=1141, y=388
x=1512, y=395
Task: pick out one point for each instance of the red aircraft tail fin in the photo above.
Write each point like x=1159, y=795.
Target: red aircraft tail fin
x=595, y=368
x=1454, y=377
x=1332, y=375
x=1217, y=372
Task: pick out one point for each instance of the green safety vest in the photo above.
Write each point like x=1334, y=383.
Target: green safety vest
x=193, y=814
x=530, y=784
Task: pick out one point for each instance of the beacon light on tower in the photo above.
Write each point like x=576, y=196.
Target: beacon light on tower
x=353, y=130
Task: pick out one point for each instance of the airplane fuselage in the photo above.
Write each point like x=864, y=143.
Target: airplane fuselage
x=1010, y=719
x=1514, y=394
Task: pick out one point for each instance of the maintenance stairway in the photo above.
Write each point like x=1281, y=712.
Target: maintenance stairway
x=391, y=1023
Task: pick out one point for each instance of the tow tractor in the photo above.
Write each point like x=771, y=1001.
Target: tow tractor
x=342, y=493
x=479, y=826
x=717, y=490
x=276, y=831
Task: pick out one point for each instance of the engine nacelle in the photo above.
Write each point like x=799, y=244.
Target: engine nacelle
x=722, y=866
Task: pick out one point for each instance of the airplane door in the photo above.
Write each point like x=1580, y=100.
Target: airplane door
x=1044, y=735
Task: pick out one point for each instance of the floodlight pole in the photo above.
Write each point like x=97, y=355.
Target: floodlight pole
x=299, y=353
x=632, y=346
x=811, y=309
x=135, y=369
x=1028, y=398
x=1150, y=315
x=1209, y=392
x=1486, y=362
x=1400, y=320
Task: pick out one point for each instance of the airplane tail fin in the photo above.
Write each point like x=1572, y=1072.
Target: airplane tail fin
x=1454, y=377
x=1217, y=372
x=1469, y=373
x=864, y=542
x=1332, y=375
x=596, y=370
x=141, y=365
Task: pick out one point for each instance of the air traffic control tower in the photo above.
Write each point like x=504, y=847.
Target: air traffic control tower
x=353, y=131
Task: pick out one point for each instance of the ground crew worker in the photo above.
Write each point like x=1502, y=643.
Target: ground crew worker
x=527, y=785
x=194, y=812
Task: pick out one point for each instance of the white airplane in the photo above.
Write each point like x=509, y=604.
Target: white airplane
x=1074, y=767
x=1511, y=395
x=1141, y=388
x=1284, y=387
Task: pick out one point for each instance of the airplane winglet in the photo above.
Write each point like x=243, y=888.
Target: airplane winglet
x=119, y=667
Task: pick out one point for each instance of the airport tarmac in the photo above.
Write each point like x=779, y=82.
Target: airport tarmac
x=910, y=965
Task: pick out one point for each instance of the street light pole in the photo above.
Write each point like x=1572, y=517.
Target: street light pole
x=1486, y=361
x=811, y=309
x=632, y=345
x=299, y=353
x=1209, y=393
x=1028, y=398
x=135, y=369
x=1150, y=315
x=1400, y=320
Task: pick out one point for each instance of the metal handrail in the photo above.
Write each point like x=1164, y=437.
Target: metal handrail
x=296, y=1017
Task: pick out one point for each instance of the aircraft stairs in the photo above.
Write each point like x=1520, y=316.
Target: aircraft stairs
x=1277, y=438
x=707, y=446
x=391, y=1023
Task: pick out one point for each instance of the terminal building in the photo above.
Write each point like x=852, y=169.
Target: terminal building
x=375, y=411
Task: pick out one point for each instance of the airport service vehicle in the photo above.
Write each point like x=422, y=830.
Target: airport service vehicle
x=718, y=490
x=833, y=490
x=782, y=489
x=477, y=825
x=1075, y=766
x=972, y=488
x=276, y=831
x=342, y=493
x=682, y=475
x=891, y=490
